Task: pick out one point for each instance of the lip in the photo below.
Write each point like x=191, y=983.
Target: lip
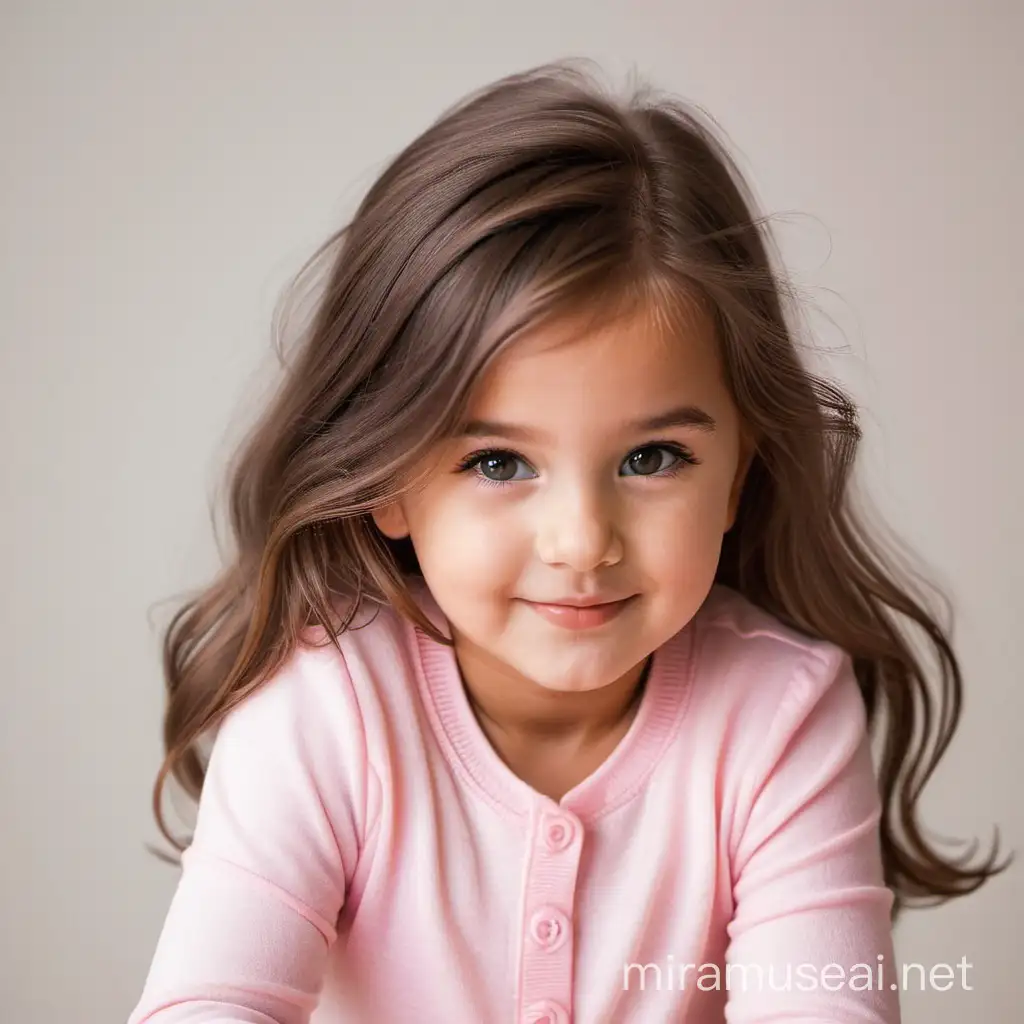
x=582, y=602
x=580, y=616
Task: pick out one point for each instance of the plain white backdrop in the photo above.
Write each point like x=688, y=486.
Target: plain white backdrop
x=166, y=168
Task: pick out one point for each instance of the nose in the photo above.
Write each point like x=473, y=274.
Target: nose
x=578, y=529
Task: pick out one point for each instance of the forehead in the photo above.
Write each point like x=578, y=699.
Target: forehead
x=618, y=370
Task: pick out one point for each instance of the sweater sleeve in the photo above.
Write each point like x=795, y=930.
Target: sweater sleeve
x=281, y=818
x=809, y=896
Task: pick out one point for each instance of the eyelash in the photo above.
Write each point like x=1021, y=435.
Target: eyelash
x=685, y=456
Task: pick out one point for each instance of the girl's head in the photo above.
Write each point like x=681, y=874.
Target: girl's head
x=551, y=359
x=600, y=459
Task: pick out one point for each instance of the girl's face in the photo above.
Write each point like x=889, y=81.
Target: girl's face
x=558, y=489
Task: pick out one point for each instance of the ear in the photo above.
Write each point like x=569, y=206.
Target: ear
x=390, y=520
x=746, y=457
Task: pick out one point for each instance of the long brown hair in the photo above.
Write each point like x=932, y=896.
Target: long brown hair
x=542, y=194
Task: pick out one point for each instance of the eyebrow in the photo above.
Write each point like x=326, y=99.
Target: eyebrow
x=682, y=416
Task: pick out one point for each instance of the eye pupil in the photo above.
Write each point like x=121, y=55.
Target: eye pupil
x=647, y=460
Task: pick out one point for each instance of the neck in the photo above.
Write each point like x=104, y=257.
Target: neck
x=520, y=710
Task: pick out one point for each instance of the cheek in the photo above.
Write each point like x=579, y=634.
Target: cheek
x=466, y=543
x=681, y=541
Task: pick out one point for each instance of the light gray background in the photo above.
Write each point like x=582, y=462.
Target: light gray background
x=165, y=168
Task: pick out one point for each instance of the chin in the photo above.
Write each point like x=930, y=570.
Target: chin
x=561, y=686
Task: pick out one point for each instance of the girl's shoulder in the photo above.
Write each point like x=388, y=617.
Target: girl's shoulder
x=745, y=624
x=376, y=656
x=751, y=653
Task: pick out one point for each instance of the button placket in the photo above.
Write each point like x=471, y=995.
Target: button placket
x=547, y=950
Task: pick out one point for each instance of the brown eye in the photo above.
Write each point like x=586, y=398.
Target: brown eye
x=646, y=461
x=498, y=467
x=495, y=467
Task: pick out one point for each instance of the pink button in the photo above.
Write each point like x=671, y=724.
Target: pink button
x=559, y=832
x=545, y=1012
x=549, y=928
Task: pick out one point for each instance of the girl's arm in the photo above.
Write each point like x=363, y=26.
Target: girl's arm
x=807, y=868
x=279, y=826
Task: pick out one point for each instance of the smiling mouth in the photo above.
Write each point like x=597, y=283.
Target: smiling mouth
x=575, y=617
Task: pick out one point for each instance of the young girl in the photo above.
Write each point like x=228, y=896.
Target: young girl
x=544, y=677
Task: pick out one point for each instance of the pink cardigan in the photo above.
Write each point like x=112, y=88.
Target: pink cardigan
x=362, y=854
